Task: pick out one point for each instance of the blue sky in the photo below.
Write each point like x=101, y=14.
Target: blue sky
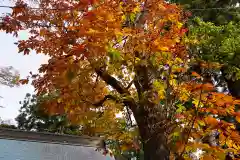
x=9, y=56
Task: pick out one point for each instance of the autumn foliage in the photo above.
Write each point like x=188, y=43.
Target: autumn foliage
x=109, y=56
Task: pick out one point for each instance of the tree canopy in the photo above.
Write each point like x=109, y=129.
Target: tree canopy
x=135, y=57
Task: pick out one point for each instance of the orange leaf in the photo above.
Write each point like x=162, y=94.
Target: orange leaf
x=195, y=74
x=228, y=99
x=238, y=119
x=207, y=157
x=236, y=101
x=23, y=81
x=208, y=87
x=211, y=121
x=220, y=102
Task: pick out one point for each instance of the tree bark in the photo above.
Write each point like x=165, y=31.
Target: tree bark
x=153, y=136
x=155, y=147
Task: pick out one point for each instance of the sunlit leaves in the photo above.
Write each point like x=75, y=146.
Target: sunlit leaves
x=211, y=121
x=180, y=108
x=137, y=57
x=160, y=87
x=114, y=54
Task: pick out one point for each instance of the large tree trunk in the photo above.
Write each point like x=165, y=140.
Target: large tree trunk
x=152, y=135
x=155, y=147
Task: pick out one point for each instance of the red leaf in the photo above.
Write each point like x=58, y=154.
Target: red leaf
x=24, y=81
x=26, y=51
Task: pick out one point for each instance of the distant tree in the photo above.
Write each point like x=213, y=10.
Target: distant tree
x=219, y=12
x=33, y=117
x=7, y=124
x=8, y=76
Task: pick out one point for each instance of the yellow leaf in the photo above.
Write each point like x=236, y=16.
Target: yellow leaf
x=164, y=48
x=59, y=100
x=177, y=39
x=136, y=9
x=201, y=122
x=197, y=103
x=179, y=25
x=229, y=143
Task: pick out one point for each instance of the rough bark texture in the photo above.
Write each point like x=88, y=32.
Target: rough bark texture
x=155, y=147
x=152, y=134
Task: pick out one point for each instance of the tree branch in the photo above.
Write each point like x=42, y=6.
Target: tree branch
x=130, y=84
x=107, y=97
x=112, y=81
x=137, y=86
x=130, y=102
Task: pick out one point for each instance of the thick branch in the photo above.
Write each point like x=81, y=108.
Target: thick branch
x=112, y=81
x=138, y=87
x=130, y=102
x=107, y=97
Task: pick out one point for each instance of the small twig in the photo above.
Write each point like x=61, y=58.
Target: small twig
x=130, y=84
x=129, y=117
x=95, y=85
x=124, y=38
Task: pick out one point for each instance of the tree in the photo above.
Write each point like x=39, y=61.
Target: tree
x=7, y=124
x=225, y=16
x=8, y=76
x=217, y=12
x=33, y=117
x=218, y=43
x=111, y=56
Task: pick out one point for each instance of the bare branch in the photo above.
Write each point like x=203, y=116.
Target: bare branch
x=130, y=84
x=111, y=81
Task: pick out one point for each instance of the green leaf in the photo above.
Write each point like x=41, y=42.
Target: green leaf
x=201, y=123
x=180, y=108
x=114, y=54
x=132, y=17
